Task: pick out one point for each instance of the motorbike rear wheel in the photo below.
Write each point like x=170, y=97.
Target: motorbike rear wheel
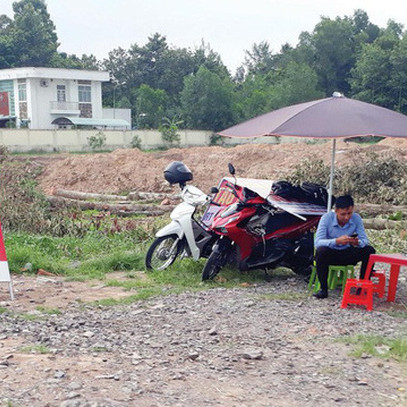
x=163, y=252
x=215, y=262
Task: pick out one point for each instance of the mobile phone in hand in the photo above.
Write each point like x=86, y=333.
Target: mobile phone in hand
x=354, y=235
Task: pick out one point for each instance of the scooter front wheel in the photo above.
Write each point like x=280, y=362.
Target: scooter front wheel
x=163, y=252
x=215, y=262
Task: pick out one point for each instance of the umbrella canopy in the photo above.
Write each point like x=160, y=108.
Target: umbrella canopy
x=332, y=117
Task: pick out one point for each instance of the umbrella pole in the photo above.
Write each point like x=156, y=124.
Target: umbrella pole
x=331, y=177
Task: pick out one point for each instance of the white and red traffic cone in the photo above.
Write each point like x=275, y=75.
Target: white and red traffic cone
x=4, y=270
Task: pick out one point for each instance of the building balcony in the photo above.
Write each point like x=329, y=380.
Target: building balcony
x=64, y=108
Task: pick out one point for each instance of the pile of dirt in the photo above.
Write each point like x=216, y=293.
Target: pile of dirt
x=126, y=170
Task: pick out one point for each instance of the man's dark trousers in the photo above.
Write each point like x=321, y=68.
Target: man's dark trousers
x=326, y=257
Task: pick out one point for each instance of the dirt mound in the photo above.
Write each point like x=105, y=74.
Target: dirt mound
x=127, y=170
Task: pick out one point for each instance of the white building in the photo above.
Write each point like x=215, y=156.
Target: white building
x=45, y=98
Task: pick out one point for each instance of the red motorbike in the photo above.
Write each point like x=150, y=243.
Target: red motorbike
x=261, y=230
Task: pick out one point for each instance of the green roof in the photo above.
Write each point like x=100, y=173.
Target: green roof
x=82, y=121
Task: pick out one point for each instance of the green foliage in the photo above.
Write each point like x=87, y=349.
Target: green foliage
x=396, y=216
x=48, y=311
x=22, y=207
x=169, y=130
x=97, y=141
x=373, y=178
x=369, y=178
x=310, y=170
x=32, y=33
x=135, y=142
x=379, y=346
x=207, y=101
x=4, y=153
x=41, y=349
x=215, y=139
x=151, y=105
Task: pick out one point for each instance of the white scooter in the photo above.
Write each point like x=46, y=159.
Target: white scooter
x=184, y=235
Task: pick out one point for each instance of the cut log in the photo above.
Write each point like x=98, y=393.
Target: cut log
x=124, y=208
x=88, y=195
x=132, y=196
x=153, y=196
x=375, y=209
x=382, y=224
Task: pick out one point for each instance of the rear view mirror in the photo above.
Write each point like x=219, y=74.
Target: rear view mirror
x=231, y=169
x=214, y=190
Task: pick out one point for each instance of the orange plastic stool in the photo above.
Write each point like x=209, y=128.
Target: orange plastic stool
x=364, y=298
x=379, y=286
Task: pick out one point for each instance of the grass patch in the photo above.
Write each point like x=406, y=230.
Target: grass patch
x=41, y=349
x=29, y=317
x=48, y=311
x=379, y=346
x=288, y=296
x=3, y=310
x=143, y=294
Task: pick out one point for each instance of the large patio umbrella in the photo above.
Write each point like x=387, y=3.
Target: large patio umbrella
x=334, y=117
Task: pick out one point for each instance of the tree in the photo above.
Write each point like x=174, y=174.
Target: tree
x=6, y=46
x=296, y=83
x=207, y=101
x=259, y=60
x=33, y=35
x=398, y=79
x=378, y=76
x=151, y=106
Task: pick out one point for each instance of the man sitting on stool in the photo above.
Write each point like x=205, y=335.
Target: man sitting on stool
x=340, y=240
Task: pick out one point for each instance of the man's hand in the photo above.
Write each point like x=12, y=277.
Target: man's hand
x=345, y=239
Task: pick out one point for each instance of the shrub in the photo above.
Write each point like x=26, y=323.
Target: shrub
x=97, y=141
x=135, y=142
x=369, y=177
x=4, y=153
x=169, y=130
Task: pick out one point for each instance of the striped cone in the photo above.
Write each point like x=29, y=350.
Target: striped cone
x=4, y=271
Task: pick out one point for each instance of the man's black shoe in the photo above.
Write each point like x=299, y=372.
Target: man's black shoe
x=321, y=294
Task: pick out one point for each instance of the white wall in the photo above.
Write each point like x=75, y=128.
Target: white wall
x=24, y=140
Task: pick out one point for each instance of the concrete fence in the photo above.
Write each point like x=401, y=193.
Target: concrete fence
x=26, y=140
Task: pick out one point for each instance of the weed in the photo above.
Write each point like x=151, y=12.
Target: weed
x=3, y=310
x=379, y=346
x=289, y=296
x=369, y=178
x=49, y=311
x=41, y=349
x=30, y=317
x=169, y=130
x=135, y=142
x=97, y=141
x=99, y=349
x=143, y=294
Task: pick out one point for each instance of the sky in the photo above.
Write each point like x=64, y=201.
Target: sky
x=229, y=26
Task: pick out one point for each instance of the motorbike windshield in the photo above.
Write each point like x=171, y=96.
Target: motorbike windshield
x=264, y=189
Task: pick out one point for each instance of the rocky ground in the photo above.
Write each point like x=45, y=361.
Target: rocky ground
x=265, y=345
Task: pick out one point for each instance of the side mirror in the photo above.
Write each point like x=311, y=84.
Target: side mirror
x=214, y=190
x=231, y=169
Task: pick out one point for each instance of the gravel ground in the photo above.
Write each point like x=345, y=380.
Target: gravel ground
x=266, y=345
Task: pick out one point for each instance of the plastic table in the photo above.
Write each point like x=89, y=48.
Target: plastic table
x=396, y=260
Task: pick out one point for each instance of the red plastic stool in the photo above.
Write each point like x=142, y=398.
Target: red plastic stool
x=364, y=298
x=379, y=286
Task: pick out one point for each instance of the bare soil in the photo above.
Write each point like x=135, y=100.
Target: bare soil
x=128, y=170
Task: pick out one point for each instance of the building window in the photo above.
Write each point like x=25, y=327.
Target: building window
x=84, y=93
x=22, y=92
x=61, y=93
